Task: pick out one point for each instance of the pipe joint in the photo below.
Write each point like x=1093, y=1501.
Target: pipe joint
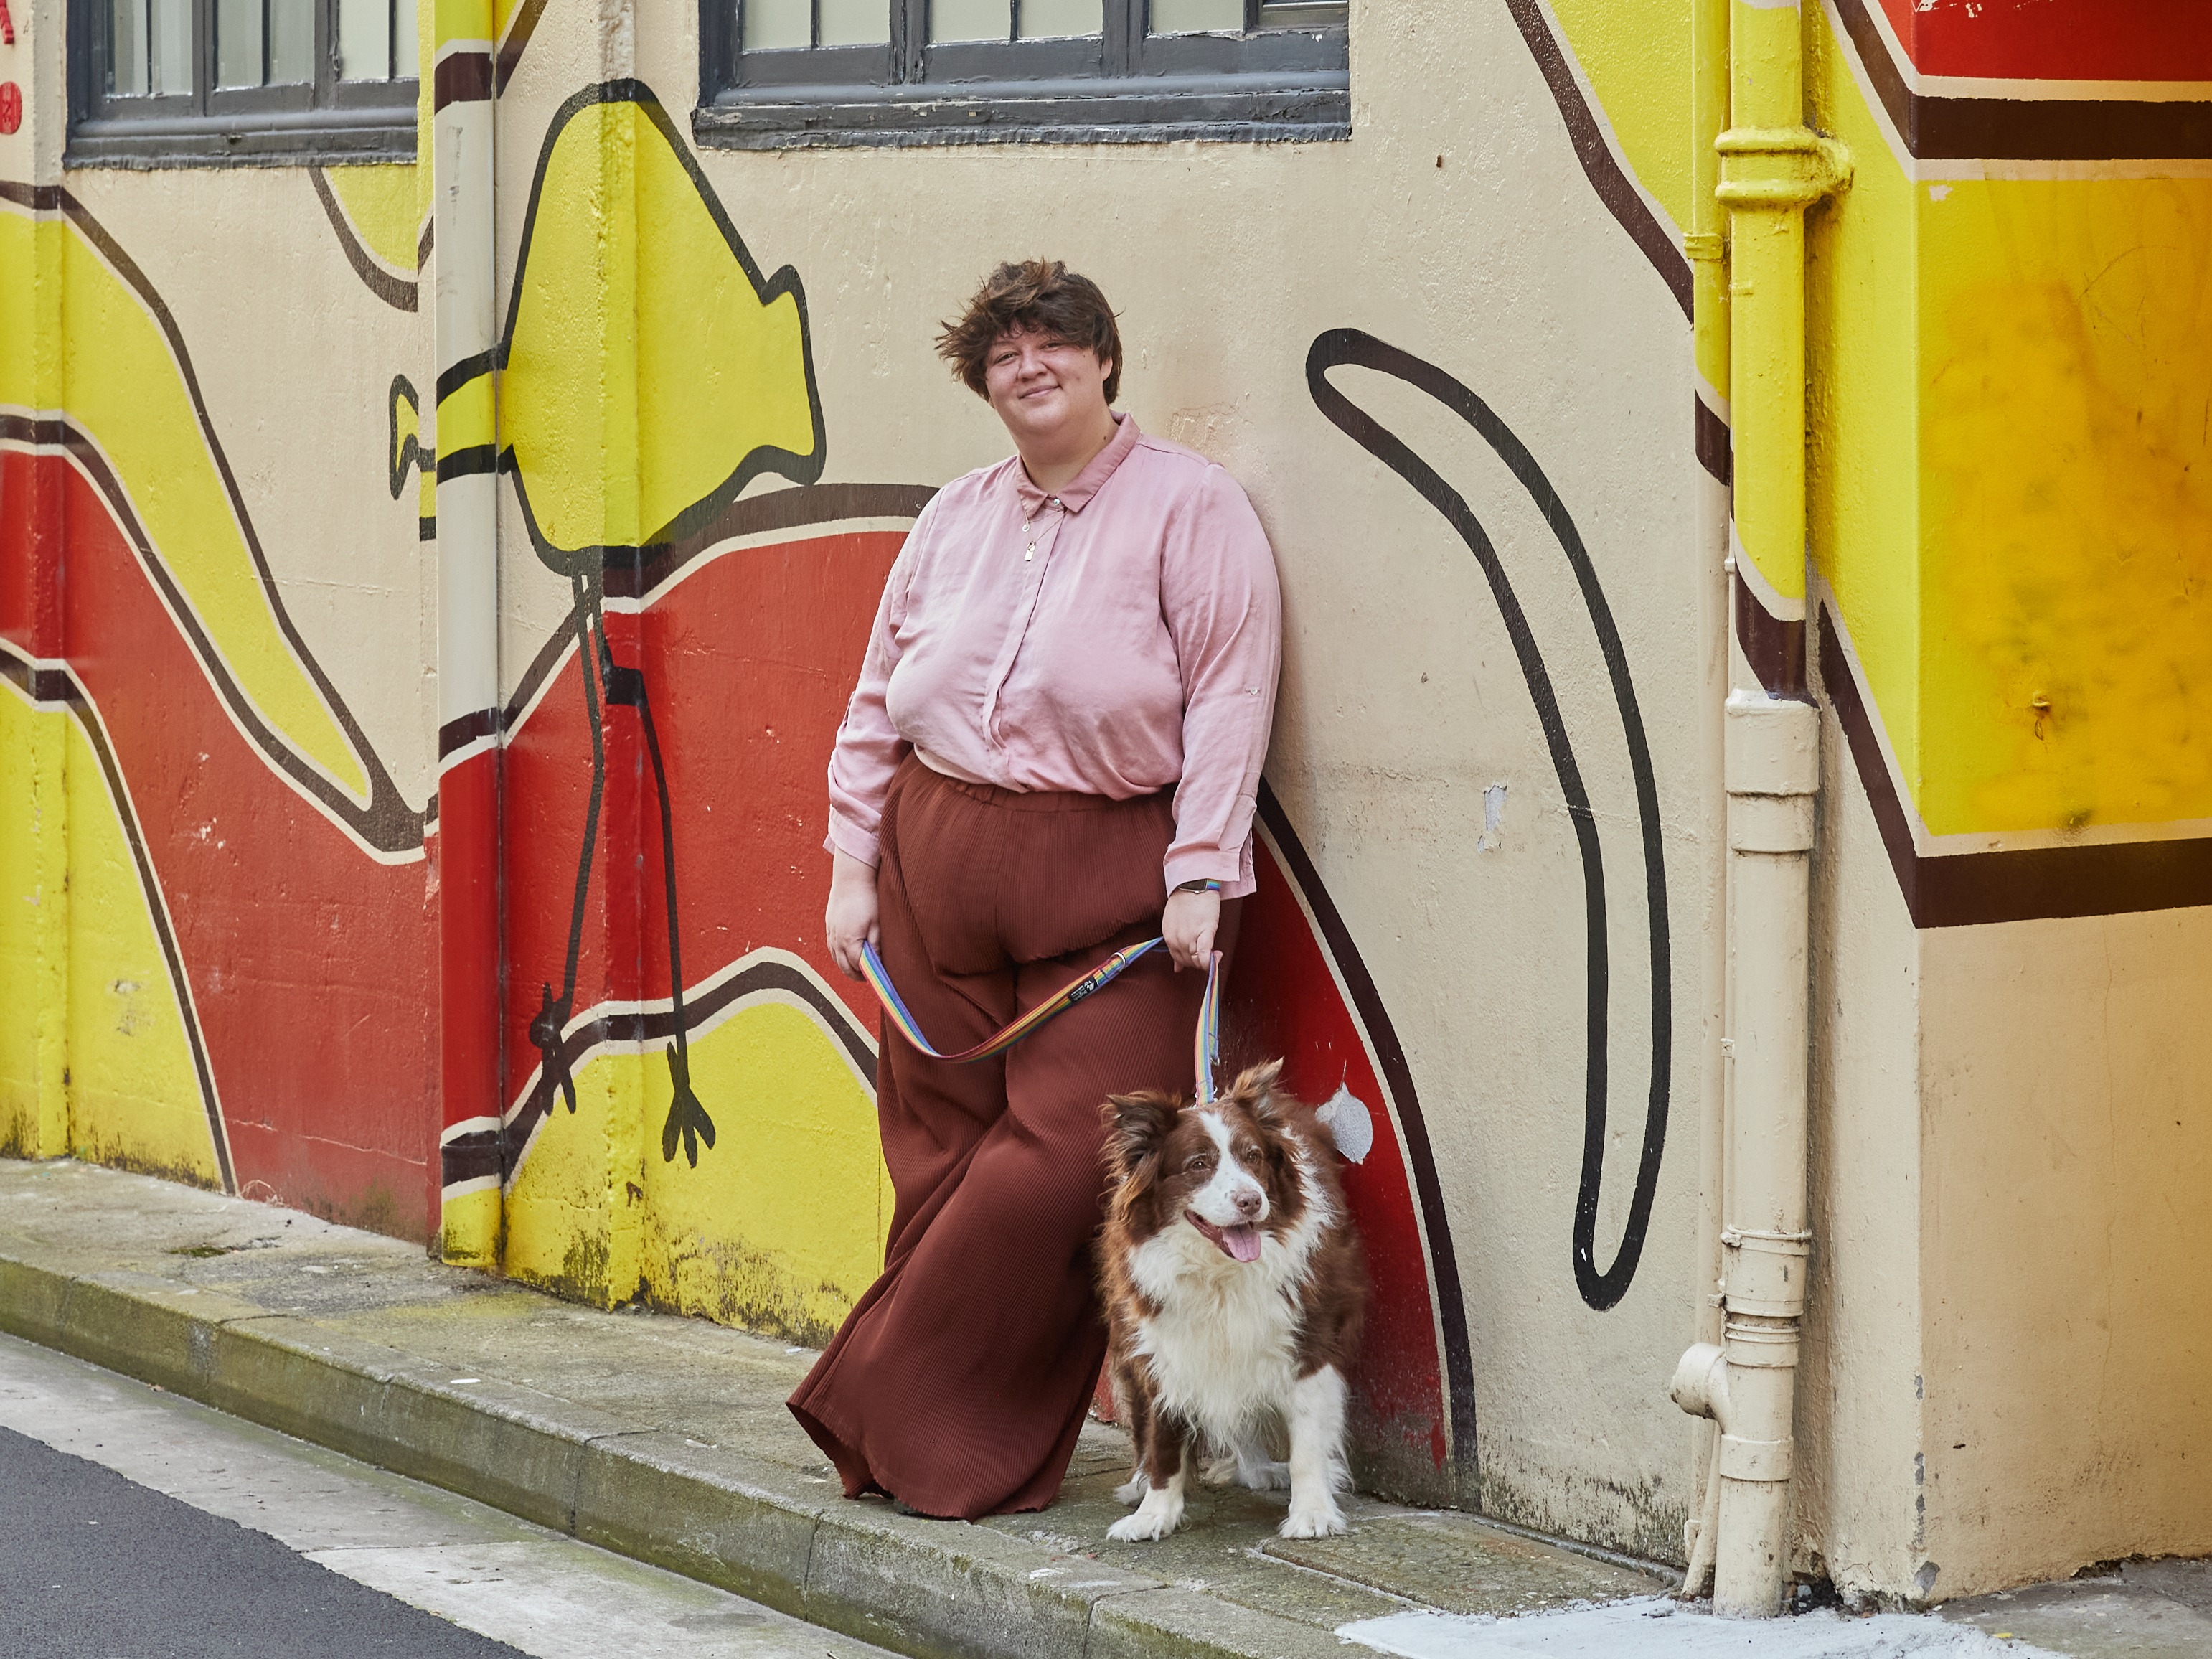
x=1763, y=1274
x=1757, y=1460
x=1772, y=746
x=1700, y=1385
x=1779, y=167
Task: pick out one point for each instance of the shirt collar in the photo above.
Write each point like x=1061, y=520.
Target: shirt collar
x=1077, y=492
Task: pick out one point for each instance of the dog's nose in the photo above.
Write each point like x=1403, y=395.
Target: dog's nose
x=1250, y=1201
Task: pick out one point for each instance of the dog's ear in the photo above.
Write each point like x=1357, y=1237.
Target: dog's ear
x=1136, y=1125
x=1256, y=1085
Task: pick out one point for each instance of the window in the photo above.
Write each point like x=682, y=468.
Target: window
x=153, y=80
x=780, y=73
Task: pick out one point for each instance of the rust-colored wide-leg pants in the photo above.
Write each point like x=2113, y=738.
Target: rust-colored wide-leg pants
x=959, y=1383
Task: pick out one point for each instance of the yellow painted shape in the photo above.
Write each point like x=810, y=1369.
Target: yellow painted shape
x=464, y=416
x=1637, y=58
x=1863, y=472
x=124, y=389
x=468, y=1229
x=462, y=19
x=24, y=981
x=380, y=203
x=2066, y=344
x=571, y=1214
x=134, y=1094
x=644, y=368
x=781, y=1228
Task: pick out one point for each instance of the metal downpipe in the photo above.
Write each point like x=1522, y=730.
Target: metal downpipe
x=1771, y=167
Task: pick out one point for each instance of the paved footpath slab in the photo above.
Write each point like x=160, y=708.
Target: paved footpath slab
x=665, y=1439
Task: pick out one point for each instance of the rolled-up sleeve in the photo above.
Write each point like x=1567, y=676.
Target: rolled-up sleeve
x=869, y=747
x=1224, y=607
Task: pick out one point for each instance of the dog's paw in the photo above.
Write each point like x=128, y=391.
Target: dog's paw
x=1264, y=1474
x=1218, y=1471
x=1133, y=1489
x=1150, y=1523
x=1314, y=1521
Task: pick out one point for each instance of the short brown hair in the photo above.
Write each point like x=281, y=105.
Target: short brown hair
x=1036, y=295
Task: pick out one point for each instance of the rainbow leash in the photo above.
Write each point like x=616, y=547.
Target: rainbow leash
x=1205, y=1050
x=1066, y=998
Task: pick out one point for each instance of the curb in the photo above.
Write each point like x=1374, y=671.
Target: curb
x=933, y=1589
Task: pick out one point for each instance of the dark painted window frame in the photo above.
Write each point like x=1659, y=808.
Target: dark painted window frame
x=327, y=120
x=1287, y=81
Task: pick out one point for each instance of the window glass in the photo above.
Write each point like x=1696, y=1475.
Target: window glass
x=970, y=20
x=170, y=62
x=238, y=43
x=292, y=40
x=777, y=24
x=1196, y=16
x=364, y=41
x=405, y=40
x=855, y=23
x=126, y=34
x=1043, y=20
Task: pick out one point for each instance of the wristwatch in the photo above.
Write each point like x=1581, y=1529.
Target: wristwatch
x=1201, y=885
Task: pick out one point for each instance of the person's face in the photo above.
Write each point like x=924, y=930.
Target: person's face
x=1044, y=389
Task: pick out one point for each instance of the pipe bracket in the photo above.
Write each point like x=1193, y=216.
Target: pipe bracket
x=1779, y=166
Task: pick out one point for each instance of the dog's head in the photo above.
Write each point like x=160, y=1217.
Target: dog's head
x=1229, y=1168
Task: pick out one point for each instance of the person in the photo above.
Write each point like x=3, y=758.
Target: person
x=1053, y=752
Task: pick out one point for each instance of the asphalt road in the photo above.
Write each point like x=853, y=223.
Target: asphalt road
x=137, y=1525
x=93, y=1565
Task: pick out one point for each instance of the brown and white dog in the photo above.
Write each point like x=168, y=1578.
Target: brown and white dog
x=1235, y=1288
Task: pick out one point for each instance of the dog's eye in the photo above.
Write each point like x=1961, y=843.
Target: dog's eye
x=1248, y=1153
x=1203, y=1161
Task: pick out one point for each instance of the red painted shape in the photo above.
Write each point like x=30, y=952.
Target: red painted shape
x=1283, y=1001
x=7, y=34
x=309, y=963
x=11, y=106
x=747, y=660
x=2055, y=39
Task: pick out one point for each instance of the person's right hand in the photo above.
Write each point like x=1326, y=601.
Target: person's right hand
x=851, y=918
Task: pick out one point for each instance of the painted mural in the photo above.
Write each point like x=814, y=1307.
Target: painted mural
x=1489, y=843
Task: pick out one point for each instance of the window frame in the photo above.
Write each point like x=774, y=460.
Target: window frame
x=293, y=124
x=1273, y=81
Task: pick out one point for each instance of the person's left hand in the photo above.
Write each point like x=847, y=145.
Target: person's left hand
x=1188, y=924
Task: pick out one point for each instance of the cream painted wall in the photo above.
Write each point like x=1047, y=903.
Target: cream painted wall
x=1859, y=1402
x=2067, y=1153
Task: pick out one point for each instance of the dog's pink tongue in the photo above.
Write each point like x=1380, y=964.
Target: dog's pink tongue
x=1243, y=1243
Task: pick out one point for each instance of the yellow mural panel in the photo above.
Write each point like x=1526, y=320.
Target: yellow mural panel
x=2066, y=346
x=381, y=204
x=1637, y=57
x=571, y=1214
x=23, y=730
x=1862, y=475
x=126, y=391
x=134, y=1094
x=645, y=369
x=779, y=1229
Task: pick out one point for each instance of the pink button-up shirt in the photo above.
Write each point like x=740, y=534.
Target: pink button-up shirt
x=1113, y=638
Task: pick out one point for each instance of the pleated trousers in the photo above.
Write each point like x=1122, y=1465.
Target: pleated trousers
x=958, y=1384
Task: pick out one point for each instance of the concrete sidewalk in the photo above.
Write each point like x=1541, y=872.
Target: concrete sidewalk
x=665, y=1439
